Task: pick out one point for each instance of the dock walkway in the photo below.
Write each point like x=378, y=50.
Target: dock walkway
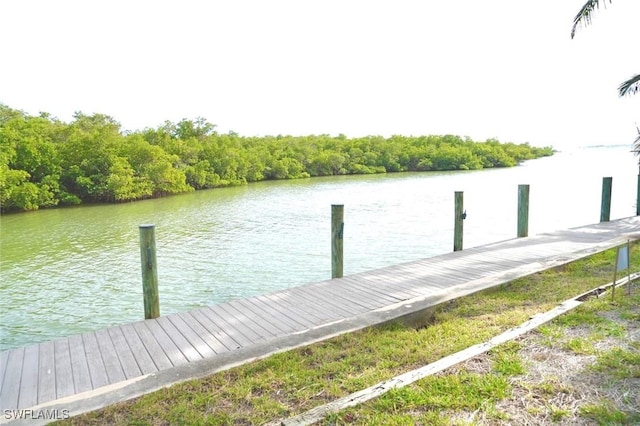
x=87, y=371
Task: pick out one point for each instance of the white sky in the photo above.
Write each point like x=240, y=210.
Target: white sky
x=493, y=68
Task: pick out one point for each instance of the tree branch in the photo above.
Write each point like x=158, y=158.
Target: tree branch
x=630, y=87
x=584, y=16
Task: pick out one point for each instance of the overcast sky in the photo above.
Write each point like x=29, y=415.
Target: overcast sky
x=495, y=68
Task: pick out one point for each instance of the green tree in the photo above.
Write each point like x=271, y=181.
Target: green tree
x=29, y=162
x=44, y=162
x=87, y=154
x=630, y=86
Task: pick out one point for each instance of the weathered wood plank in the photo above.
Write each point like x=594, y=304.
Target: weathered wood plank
x=377, y=292
x=202, y=332
x=192, y=339
x=420, y=271
x=13, y=374
x=293, y=319
x=277, y=324
x=112, y=365
x=321, y=306
x=389, y=282
x=403, y=276
x=505, y=258
x=271, y=325
x=219, y=317
x=172, y=351
x=294, y=313
x=470, y=265
x=125, y=355
x=328, y=296
x=347, y=295
x=479, y=271
x=97, y=369
x=248, y=326
x=400, y=288
x=64, y=378
x=189, y=351
x=4, y=358
x=138, y=349
x=156, y=352
x=415, y=285
x=228, y=342
x=79, y=365
x=376, y=295
x=307, y=309
x=46, y=372
x=335, y=308
x=443, y=277
x=29, y=381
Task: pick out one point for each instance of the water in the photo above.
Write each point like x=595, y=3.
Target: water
x=66, y=271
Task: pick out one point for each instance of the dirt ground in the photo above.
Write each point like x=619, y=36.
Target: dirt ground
x=560, y=383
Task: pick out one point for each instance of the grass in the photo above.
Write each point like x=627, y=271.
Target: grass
x=295, y=381
x=605, y=413
x=619, y=363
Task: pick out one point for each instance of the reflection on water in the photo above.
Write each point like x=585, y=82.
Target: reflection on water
x=70, y=270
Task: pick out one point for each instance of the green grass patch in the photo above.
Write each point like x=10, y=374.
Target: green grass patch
x=289, y=383
x=580, y=345
x=446, y=392
x=605, y=413
x=619, y=363
x=506, y=359
x=431, y=418
x=549, y=387
x=557, y=414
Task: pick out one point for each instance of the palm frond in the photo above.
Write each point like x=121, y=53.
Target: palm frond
x=630, y=87
x=584, y=16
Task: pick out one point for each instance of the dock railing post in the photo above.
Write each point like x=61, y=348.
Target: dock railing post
x=337, y=240
x=523, y=211
x=149, y=271
x=638, y=198
x=605, y=206
x=458, y=213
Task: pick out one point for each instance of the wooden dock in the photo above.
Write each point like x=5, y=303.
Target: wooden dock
x=83, y=372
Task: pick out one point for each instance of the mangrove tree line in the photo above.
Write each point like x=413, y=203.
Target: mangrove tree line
x=45, y=162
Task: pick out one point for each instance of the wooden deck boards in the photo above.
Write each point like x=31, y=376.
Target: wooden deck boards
x=42, y=373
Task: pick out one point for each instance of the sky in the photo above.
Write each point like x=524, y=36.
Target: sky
x=500, y=69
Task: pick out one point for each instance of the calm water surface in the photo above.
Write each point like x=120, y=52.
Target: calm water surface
x=71, y=270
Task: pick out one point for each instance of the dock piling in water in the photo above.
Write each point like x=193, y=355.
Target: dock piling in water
x=337, y=238
x=458, y=227
x=523, y=211
x=605, y=206
x=638, y=198
x=149, y=271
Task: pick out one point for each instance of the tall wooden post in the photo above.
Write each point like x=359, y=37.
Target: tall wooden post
x=523, y=211
x=458, y=214
x=337, y=240
x=605, y=206
x=149, y=271
x=638, y=198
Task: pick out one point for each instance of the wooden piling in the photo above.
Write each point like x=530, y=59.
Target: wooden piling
x=337, y=240
x=523, y=211
x=149, y=271
x=458, y=227
x=605, y=206
x=638, y=198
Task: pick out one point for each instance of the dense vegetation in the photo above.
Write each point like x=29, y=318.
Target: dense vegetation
x=45, y=162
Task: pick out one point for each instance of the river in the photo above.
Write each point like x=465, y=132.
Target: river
x=70, y=270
